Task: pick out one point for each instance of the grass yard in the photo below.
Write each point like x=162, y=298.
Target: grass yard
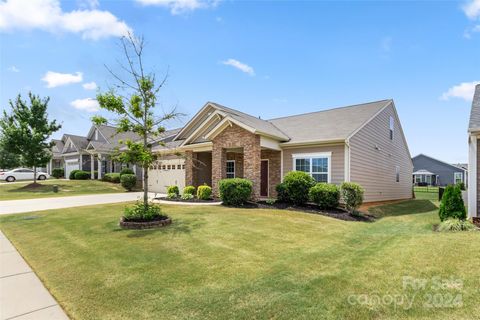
x=17, y=191
x=225, y=263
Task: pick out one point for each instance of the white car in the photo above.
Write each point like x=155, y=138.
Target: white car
x=22, y=174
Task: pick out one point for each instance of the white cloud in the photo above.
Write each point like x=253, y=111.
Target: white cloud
x=88, y=104
x=89, y=86
x=472, y=9
x=92, y=4
x=13, y=69
x=47, y=15
x=180, y=6
x=240, y=66
x=463, y=91
x=55, y=79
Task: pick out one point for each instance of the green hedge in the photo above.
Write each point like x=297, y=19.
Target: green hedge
x=112, y=177
x=173, y=190
x=325, y=195
x=126, y=171
x=82, y=175
x=71, y=176
x=297, y=185
x=204, y=192
x=352, y=194
x=189, y=190
x=452, y=206
x=58, y=173
x=235, y=192
x=128, y=181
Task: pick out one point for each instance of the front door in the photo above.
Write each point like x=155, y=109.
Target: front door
x=264, y=178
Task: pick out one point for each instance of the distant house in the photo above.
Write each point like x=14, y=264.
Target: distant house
x=433, y=172
x=473, y=155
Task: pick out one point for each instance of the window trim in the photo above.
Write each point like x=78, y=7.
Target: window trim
x=391, y=127
x=455, y=175
x=234, y=169
x=327, y=155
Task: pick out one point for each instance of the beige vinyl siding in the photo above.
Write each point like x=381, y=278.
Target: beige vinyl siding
x=337, y=160
x=478, y=177
x=373, y=158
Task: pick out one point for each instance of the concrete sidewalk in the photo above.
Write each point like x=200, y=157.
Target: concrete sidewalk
x=30, y=205
x=22, y=294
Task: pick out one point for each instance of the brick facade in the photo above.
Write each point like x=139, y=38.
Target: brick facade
x=274, y=170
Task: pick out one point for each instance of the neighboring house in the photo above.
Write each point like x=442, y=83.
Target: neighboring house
x=434, y=172
x=362, y=143
x=473, y=155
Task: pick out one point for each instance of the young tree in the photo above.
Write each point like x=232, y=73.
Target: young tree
x=134, y=98
x=26, y=130
x=8, y=160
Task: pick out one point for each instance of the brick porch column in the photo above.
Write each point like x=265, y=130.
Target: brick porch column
x=251, y=166
x=219, y=161
x=189, y=168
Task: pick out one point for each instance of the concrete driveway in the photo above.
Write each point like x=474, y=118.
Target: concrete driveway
x=30, y=205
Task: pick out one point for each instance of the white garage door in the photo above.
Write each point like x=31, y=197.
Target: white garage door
x=167, y=173
x=71, y=165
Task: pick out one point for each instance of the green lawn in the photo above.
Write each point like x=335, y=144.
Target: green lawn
x=225, y=263
x=16, y=191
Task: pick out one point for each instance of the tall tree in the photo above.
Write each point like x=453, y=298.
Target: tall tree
x=134, y=99
x=8, y=159
x=26, y=131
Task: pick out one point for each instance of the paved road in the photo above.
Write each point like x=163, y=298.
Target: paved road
x=18, y=206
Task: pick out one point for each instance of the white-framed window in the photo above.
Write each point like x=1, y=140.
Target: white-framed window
x=392, y=127
x=316, y=164
x=230, y=169
x=457, y=177
x=397, y=174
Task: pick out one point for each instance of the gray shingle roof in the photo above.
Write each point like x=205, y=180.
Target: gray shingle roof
x=328, y=125
x=475, y=111
x=79, y=141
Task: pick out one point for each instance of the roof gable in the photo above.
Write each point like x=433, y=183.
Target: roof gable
x=474, y=124
x=438, y=161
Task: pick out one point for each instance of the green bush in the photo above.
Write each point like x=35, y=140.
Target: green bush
x=325, y=195
x=173, y=189
x=236, y=191
x=297, y=184
x=126, y=171
x=82, y=175
x=189, y=190
x=270, y=201
x=172, y=195
x=453, y=224
x=72, y=174
x=204, y=192
x=58, y=173
x=461, y=185
x=187, y=196
x=128, y=181
x=352, y=194
x=112, y=177
x=141, y=212
x=282, y=195
x=452, y=205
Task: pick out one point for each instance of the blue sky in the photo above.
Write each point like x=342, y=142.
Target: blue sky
x=266, y=58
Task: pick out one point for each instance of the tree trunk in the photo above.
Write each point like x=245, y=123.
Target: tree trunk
x=34, y=174
x=145, y=186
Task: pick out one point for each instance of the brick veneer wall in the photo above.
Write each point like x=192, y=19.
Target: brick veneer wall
x=231, y=138
x=238, y=157
x=274, y=171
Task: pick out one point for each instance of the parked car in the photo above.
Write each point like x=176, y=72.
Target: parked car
x=22, y=174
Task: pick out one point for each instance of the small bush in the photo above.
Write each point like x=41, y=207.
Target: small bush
x=71, y=176
x=189, y=190
x=461, y=185
x=82, y=175
x=297, y=185
x=128, y=181
x=236, y=191
x=126, y=171
x=456, y=225
x=112, y=177
x=58, y=173
x=141, y=212
x=282, y=195
x=325, y=195
x=173, y=189
x=452, y=205
x=270, y=201
x=204, y=192
x=172, y=195
x=352, y=194
x=187, y=196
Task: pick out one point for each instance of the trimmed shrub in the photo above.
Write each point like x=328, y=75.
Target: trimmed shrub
x=352, y=194
x=325, y=195
x=172, y=195
x=71, y=176
x=189, y=190
x=126, y=171
x=452, y=205
x=82, y=175
x=128, y=181
x=204, y=192
x=461, y=185
x=187, y=196
x=236, y=191
x=58, y=173
x=141, y=212
x=173, y=189
x=282, y=195
x=112, y=177
x=456, y=225
x=297, y=184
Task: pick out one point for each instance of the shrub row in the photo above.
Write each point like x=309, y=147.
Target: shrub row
x=58, y=173
x=112, y=177
x=203, y=192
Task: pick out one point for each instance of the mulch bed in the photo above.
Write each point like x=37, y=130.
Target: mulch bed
x=157, y=222
x=32, y=186
x=187, y=201
x=311, y=208
x=476, y=221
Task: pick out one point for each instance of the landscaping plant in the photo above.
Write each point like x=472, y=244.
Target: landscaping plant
x=187, y=196
x=173, y=189
x=325, y=195
x=236, y=191
x=128, y=181
x=297, y=184
x=82, y=175
x=58, y=173
x=141, y=212
x=126, y=171
x=189, y=190
x=204, y=192
x=282, y=195
x=453, y=224
x=352, y=195
x=72, y=174
x=112, y=177
x=451, y=205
